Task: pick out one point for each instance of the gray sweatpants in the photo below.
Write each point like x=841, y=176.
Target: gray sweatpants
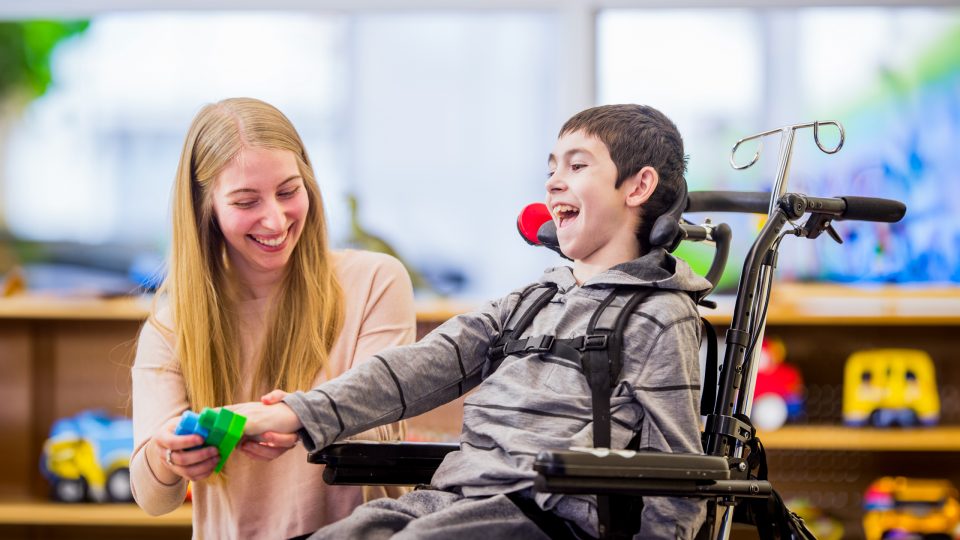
x=431, y=514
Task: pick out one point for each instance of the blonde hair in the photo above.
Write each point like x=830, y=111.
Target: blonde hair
x=307, y=313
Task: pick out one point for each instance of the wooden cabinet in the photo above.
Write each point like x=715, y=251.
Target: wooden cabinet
x=59, y=356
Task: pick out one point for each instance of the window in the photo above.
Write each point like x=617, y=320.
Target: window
x=438, y=123
x=93, y=160
x=723, y=74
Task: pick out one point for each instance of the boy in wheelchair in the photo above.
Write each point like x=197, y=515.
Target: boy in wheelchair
x=617, y=334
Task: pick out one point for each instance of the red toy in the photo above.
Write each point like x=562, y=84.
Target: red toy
x=778, y=395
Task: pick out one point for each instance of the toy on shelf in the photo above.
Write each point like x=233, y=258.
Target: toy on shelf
x=886, y=387
x=823, y=525
x=221, y=428
x=778, y=394
x=87, y=458
x=899, y=507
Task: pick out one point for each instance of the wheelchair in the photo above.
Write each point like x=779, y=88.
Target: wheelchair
x=731, y=474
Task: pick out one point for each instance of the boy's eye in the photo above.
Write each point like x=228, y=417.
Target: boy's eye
x=550, y=173
x=578, y=166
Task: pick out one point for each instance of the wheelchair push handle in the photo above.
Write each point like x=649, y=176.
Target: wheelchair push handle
x=873, y=209
x=848, y=208
x=795, y=205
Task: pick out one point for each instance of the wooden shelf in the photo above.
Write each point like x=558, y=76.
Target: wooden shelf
x=932, y=439
x=129, y=308
x=51, y=513
x=827, y=304
x=791, y=304
x=136, y=308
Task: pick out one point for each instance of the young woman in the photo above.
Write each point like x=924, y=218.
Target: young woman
x=254, y=300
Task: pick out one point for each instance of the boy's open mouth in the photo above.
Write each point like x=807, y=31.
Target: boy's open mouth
x=565, y=214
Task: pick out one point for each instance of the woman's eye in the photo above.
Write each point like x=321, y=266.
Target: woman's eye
x=289, y=193
x=244, y=204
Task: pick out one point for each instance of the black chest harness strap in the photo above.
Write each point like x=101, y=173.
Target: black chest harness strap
x=598, y=354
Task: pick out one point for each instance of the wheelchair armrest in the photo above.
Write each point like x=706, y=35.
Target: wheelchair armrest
x=381, y=463
x=602, y=471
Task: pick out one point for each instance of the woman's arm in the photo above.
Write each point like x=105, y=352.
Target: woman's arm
x=159, y=397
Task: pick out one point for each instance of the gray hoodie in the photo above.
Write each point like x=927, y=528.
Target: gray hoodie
x=534, y=402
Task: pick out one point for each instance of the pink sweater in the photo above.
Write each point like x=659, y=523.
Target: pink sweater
x=285, y=497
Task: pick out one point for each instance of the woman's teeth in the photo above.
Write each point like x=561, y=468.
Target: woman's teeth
x=270, y=242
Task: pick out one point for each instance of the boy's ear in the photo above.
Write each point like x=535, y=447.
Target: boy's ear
x=641, y=186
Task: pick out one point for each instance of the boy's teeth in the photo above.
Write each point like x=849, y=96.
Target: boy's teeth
x=560, y=210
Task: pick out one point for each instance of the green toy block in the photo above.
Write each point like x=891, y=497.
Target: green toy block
x=225, y=430
x=208, y=420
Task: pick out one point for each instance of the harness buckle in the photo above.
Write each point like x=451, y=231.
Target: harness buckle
x=594, y=342
x=545, y=343
x=533, y=344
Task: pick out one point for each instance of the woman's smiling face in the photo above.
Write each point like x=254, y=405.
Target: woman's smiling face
x=260, y=205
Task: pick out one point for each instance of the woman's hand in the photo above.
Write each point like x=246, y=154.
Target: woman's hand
x=178, y=457
x=269, y=445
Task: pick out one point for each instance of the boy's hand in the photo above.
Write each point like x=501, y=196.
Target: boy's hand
x=270, y=445
x=275, y=416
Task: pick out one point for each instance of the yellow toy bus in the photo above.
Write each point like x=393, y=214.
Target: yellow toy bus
x=886, y=387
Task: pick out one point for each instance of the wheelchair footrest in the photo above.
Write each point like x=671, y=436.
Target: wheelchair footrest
x=381, y=463
x=593, y=470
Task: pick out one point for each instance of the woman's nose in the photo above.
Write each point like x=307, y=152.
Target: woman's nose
x=274, y=217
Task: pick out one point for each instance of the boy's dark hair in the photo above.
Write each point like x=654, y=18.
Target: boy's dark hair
x=637, y=136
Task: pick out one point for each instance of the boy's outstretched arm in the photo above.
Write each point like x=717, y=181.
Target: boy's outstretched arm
x=397, y=383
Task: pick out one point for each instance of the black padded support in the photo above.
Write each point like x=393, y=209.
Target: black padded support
x=666, y=232
x=381, y=463
x=641, y=473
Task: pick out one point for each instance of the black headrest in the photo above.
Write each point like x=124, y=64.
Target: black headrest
x=666, y=232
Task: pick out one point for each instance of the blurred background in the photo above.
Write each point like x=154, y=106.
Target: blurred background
x=429, y=123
